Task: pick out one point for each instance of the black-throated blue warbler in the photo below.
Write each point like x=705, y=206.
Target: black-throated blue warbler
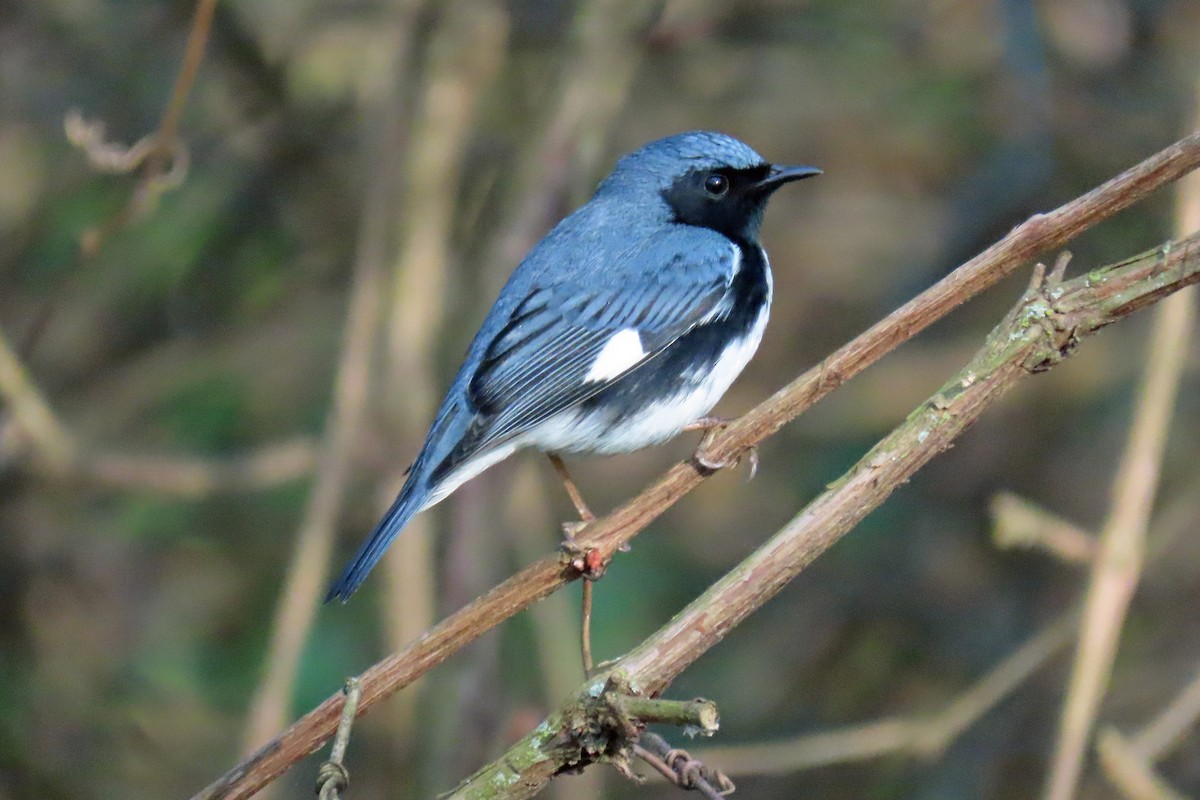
x=627, y=322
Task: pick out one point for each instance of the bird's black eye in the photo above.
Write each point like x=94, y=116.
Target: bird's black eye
x=716, y=184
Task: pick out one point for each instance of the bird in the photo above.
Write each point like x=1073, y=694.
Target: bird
x=620, y=329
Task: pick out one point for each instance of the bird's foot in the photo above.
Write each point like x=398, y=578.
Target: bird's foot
x=586, y=562
x=708, y=465
x=707, y=424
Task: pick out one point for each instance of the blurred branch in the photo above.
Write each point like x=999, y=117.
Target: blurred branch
x=1130, y=771
x=1017, y=522
x=314, y=543
x=1129, y=761
x=610, y=533
x=194, y=477
x=51, y=443
x=606, y=47
x=464, y=55
x=56, y=454
x=1036, y=335
x=160, y=155
x=920, y=736
x=156, y=151
x=168, y=127
x=1117, y=567
x=1167, y=729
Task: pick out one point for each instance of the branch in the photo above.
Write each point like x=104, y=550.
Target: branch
x=928, y=735
x=32, y=414
x=1044, y=327
x=918, y=735
x=1017, y=522
x=160, y=154
x=610, y=533
x=37, y=432
x=194, y=477
x=1129, y=761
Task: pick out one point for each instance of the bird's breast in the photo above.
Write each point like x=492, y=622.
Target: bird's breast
x=653, y=402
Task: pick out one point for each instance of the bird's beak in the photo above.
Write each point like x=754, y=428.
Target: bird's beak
x=779, y=175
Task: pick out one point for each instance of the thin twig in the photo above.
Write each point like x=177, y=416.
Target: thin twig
x=332, y=777
x=1017, y=522
x=156, y=152
x=1166, y=730
x=610, y=533
x=51, y=442
x=193, y=55
x=1129, y=770
x=1129, y=761
x=585, y=628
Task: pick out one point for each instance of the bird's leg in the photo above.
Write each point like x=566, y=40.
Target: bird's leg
x=710, y=426
x=585, y=513
x=587, y=563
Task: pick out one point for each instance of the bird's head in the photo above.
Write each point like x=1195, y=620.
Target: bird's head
x=701, y=178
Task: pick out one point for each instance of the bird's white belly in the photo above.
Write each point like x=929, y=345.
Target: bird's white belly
x=577, y=431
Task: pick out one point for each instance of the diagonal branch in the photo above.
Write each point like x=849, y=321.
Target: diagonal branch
x=34, y=432
x=1043, y=328
x=920, y=735
x=608, y=534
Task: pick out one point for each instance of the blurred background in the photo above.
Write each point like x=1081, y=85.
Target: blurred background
x=220, y=382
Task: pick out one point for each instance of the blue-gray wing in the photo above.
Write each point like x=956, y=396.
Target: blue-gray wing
x=565, y=342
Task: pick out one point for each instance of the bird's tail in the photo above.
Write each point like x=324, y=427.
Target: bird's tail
x=411, y=499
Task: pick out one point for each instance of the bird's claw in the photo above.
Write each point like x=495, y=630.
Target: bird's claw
x=710, y=465
x=587, y=563
x=708, y=424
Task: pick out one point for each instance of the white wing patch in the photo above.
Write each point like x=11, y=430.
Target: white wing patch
x=620, y=353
